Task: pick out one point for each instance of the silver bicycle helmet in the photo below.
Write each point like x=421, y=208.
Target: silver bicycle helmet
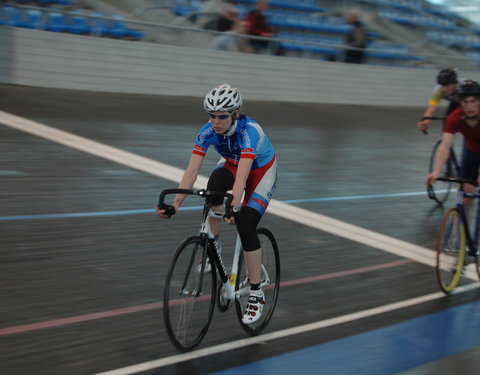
x=222, y=98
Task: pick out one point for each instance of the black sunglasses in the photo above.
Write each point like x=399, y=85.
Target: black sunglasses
x=221, y=117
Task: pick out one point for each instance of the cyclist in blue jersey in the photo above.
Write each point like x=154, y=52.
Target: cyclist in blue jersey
x=248, y=167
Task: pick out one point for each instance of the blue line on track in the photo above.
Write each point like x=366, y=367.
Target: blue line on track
x=384, y=351
x=145, y=211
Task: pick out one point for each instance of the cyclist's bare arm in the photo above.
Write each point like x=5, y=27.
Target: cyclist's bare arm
x=243, y=170
x=442, y=156
x=188, y=179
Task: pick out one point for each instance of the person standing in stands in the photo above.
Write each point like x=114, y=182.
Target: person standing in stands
x=356, y=39
x=232, y=41
x=258, y=26
x=226, y=15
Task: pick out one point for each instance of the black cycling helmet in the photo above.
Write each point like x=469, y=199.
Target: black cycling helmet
x=447, y=76
x=468, y=88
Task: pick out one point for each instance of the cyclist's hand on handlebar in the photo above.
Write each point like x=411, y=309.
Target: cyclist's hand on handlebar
x=431, y=178
x=229, y=216
x=165, y=211
x=423, y=125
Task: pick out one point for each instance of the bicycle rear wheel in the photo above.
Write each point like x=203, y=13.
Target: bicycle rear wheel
x=270, y=283
x=450, y=250
x=189, y=294
x=441, y=190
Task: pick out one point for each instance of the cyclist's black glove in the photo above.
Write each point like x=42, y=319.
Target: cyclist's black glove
x=229, y=212
x=169, y=210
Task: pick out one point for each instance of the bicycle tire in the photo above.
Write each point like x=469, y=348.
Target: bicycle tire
x=451, y=243
x=270, y=277
x=477, y=265
x=187, y=315
x=440, y=192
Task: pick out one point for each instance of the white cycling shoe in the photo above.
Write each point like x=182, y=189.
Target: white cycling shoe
x=254, y=308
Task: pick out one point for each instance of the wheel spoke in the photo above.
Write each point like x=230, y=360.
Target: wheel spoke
x=189, y=295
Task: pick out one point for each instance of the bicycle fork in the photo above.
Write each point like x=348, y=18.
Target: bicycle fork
x=472, y=242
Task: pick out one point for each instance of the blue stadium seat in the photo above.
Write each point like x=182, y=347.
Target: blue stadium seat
x=56, y=22
x=53, y=2
x=12, y=16
x=79, y=24
x=120, y=30
x=33, y=19
x=305, y=5
x=185, y=7
x=100, y=27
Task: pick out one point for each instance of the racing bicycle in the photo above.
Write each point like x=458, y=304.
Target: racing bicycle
x=457, y=241
x=197, y=278
x=451, y=170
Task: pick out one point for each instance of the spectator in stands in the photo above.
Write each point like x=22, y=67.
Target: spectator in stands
x=225, y=18
x=258, y=26
x=356, y=39
x=231, y=41
x=446, y=87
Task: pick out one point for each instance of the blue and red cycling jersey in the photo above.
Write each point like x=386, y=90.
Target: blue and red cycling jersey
x=246, y=139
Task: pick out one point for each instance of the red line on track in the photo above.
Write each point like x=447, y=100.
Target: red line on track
x=158, y=305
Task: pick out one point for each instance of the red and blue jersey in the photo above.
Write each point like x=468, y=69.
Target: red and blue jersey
x=456, y=124
x=246, y=139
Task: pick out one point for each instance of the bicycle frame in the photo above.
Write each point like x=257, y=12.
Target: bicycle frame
x=191, y=290
x=460, y=206
x=228, y=280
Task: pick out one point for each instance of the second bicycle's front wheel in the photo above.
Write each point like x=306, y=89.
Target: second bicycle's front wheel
x=440, y=192
x=270, y=282
x=451, y=243
x=189, y=294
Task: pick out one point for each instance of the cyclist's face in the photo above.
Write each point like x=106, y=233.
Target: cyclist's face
x=221, y=121
x=470, y=106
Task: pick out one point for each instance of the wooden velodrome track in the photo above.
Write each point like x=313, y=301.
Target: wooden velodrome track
x=83, y=256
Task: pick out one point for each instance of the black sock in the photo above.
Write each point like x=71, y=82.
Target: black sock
x=255, y=286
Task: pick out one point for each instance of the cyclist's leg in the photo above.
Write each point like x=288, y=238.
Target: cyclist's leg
x=247, y=221
x=258, y=193
x=469, y=171
x=221, y=179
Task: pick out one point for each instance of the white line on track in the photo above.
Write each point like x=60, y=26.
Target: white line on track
x=284, y=210
x=235, y=345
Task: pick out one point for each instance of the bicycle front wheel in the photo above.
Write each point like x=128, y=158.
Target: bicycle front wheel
x=189, y=294
x=270, y=283
x=477, y=265
x=450, y=250
x=441, y=190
